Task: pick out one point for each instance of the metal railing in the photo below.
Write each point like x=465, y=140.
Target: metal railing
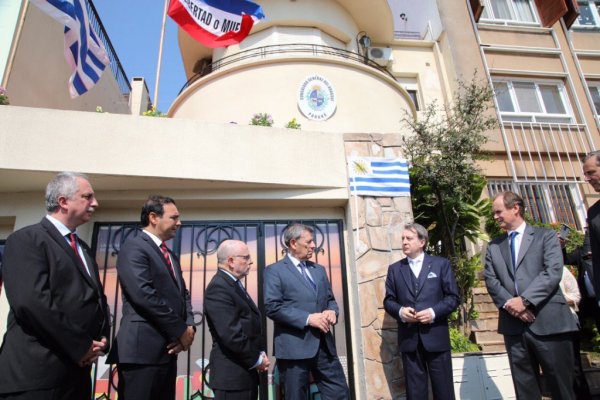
x=115, y=63
x=286, y=49
x=546, y=152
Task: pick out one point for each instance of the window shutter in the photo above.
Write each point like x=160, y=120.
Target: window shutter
x=572, y=13
x=550, y=11
x=477, y=8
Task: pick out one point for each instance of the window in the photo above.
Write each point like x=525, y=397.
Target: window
x=544, y=202
x=595, y=92
x=527, y=101
x=589, y=15
x=509, y=11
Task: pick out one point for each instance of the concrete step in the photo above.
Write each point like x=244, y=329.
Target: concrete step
x=486, y=307
x=488, y=337
x=484, y=324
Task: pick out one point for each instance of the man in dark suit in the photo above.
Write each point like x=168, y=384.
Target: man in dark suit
x=58, y=321
x=522, y=271
x=591, y=174
x=420, y=293
x=299, y=300
x=235, y=324
x=157, y=321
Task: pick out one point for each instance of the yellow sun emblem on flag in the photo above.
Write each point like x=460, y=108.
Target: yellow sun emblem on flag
x=360, y=167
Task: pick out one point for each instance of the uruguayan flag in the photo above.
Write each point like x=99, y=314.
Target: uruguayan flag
x=84, y=52
x=382, y=177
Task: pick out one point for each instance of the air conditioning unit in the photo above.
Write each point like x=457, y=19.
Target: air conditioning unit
x=381, y=55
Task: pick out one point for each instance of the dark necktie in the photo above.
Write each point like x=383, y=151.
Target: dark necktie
x=73, y=243
x=165, y=252
x=305, y=275
x=513, y=254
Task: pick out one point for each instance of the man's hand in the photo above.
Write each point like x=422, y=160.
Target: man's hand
x=93, y=352
x=424, y=316
x=187, y=338
x=330, y=317
x=319, y=321
x=527, y=316
x=408, y=315
x=264, y=367
x=174, y=348
x=515, y=306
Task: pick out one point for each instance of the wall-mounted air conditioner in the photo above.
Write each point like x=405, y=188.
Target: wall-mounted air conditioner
x=381, y=55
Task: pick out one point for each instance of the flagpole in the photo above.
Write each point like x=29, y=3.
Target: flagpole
x=160, y=50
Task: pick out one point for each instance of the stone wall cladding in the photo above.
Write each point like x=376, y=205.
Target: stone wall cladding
x=377, y=224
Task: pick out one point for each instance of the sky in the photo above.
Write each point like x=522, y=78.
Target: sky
x=133, y=27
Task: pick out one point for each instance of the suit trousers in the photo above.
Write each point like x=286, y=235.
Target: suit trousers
x=250, y=394
x=327, y=372
x=419, y=365
x=553, y=353
x=147, y=382
x=76, y=387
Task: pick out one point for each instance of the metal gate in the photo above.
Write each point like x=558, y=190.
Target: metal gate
x=196, y=244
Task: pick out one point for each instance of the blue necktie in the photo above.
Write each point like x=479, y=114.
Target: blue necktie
x=513, y=253
x=305, y=275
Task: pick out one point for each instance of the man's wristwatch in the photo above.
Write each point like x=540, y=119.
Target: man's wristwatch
x=526, y=302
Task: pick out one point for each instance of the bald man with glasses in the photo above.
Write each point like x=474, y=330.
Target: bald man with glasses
x=235, y=324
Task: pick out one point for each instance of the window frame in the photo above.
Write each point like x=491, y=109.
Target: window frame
x=488, y=9
x=522, y=116
x=594, y=5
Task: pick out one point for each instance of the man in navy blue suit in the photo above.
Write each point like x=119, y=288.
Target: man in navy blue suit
x=299, y=300
x=420, y=293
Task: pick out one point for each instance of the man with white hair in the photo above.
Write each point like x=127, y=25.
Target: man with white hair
x=58, y=321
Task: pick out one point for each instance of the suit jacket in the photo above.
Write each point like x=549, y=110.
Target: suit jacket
x=236, y=328
x=594, y=231
x=56, y=309
x=289, y=299
x=538, y=273
x=156, y=309
x=437, y=289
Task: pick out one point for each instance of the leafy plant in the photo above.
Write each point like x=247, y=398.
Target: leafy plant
x=153, y=112
x=3, y=97
x=262, y=119
x=459, y=343
x=293, y=124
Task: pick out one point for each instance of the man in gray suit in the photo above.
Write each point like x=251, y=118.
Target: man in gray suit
x=522, y=271
x=299, y=300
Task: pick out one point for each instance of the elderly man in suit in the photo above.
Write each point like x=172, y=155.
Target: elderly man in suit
x=420, y=293
x=235, y=324
x=591, y=174
x=157, y=321
x=299, y=300
x=58, y=321
x=523, y=269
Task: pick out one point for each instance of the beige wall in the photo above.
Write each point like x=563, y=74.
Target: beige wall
x=367, y=100
x=39, y=73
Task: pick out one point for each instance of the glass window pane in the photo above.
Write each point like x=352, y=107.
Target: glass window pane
x=526, y=97
x=501, y=9
x=523, y=11
x=552, y=100
x=595, y=98
x=586, y=17
x=503, y=96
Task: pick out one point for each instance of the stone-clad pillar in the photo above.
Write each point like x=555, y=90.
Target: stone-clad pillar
x=376, y=228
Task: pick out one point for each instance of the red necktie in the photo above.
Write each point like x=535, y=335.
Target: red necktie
x=165, y=252
x=73, y=242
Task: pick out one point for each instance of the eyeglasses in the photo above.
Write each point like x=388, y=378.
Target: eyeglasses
x=247, y=258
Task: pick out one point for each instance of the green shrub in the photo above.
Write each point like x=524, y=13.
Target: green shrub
x=460, y=343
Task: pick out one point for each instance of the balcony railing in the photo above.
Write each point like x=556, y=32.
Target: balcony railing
x=284, y=49
x=115, y=64
x=546, y=152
